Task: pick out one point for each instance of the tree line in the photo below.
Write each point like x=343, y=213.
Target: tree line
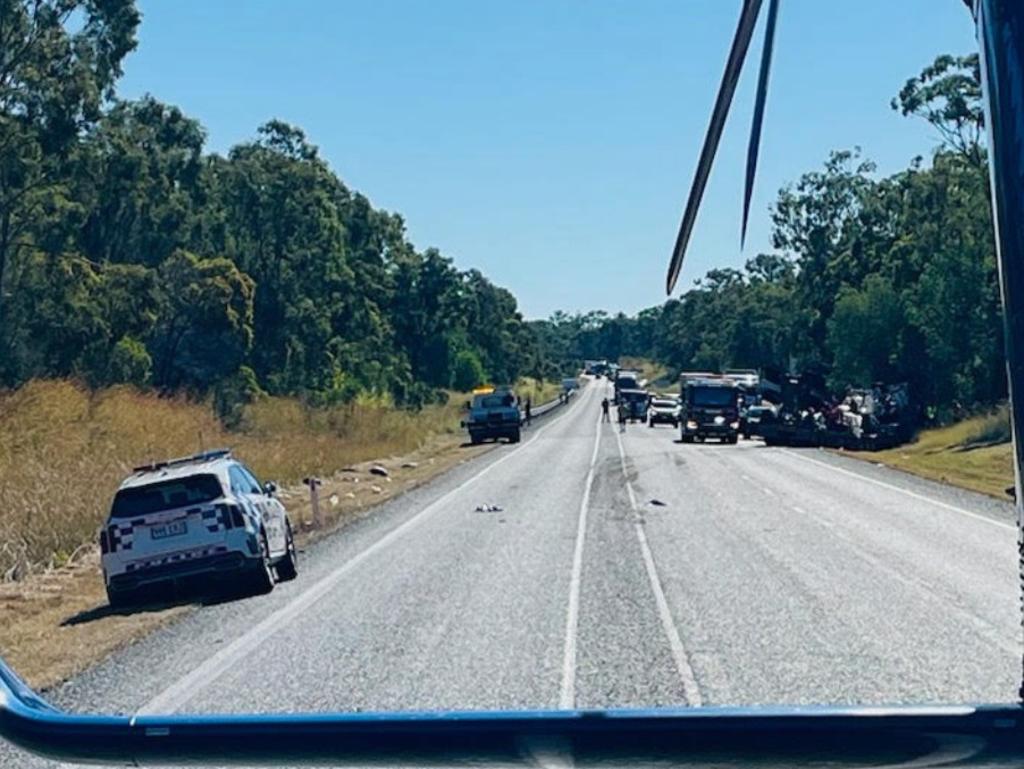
x=128, y=253
x=872, y=278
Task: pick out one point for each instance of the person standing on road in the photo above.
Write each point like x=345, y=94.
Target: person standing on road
x=604, y=411
x=623, y=415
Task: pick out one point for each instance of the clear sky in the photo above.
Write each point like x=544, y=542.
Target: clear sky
x=549, y=143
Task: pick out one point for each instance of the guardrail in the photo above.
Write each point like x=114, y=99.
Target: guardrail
x=546, y=408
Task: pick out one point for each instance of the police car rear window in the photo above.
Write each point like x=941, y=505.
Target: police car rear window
x=165, y=495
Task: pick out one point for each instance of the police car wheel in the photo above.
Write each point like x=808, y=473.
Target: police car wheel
x=121, y=599
x=261, y=579
x=288, y=567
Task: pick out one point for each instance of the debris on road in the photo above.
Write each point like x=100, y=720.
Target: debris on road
x=488, y=509
x=410, y=465
x=657, y=503
x=350, y=469
x=379, y=470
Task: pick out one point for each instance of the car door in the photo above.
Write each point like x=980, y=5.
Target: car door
x=272, y=511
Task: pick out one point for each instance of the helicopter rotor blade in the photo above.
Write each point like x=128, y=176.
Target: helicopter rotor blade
x=726, y=91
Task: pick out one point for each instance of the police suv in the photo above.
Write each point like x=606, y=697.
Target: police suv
x=195, y=519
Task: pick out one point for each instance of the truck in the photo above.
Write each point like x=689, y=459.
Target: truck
x=626, y=379
x=636, y=402
x=710, y=410
x=493, y=413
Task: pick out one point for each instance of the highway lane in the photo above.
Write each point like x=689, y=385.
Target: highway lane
x=767, y=576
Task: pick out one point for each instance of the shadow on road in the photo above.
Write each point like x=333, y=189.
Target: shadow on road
x=160, y=603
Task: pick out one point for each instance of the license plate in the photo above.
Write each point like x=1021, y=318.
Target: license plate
x=175, y=529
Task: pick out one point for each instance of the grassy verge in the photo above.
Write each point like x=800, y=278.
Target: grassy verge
x=973, y=454
x=63, y=451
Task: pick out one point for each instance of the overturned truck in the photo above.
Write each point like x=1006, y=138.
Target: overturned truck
x=864, y=419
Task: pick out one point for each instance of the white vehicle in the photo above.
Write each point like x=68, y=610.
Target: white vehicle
x=664, y=411
x=197, y=519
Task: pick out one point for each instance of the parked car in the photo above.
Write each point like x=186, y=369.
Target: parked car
x=664, y=411
x=199, y=519
x=752, y=419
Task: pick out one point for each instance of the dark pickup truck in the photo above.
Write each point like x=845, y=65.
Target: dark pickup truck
x=494, y=414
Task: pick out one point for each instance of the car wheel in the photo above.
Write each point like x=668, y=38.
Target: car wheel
x=514, y=438
x=476, y=440
x=287, y=568
x=687, y=439
x=123, y=599
x=261, y=579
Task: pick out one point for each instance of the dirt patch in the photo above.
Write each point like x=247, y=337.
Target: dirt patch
x=56, y=624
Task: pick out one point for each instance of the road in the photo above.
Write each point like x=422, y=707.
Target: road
x=764, y=575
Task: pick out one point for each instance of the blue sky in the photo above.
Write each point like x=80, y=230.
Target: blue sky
x=549, y=143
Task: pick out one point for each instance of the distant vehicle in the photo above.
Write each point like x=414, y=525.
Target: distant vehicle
x=710, y=410
x=663, y=411
x=753, y=418
x=635, y=402
x=747, y=379
x=197, y=519
x=595, y=367
x=494, y=413
x=626, y=379
x=569, y=384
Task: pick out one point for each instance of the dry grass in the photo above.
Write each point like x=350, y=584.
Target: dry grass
x=966, y=454
x=64, y=450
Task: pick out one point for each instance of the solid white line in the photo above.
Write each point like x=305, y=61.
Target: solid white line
x=892, y=487
x=201, y=677
x=567, y=696
x=686, y=675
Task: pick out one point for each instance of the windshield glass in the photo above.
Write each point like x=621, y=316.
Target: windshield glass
x=165, y=495
x=414, y=270
x=712, y=396
x=493, y=401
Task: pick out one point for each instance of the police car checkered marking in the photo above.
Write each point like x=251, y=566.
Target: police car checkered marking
x=121, y=536
x=184, y=555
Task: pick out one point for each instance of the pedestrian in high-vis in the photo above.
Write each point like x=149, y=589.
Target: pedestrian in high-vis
x=604, y=411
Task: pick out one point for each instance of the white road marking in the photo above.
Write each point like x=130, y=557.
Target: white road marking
x=203, y=676
x=907, y=492
x=690, y=688
x=567, y=696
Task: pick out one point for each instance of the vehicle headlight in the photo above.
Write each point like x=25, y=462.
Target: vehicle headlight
x=734, y=425
x=719, y=420
x=691, y=425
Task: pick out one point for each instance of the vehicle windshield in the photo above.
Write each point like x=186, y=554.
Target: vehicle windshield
x=137, y=501
x=712, y=396
x=540, y=356
x=495, y=401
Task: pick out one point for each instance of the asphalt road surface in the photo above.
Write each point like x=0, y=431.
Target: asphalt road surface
x=760, y=575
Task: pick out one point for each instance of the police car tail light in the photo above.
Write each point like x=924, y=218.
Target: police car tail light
x=232, y=516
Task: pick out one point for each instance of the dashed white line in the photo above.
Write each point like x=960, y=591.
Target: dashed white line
x=213, y=667
x=686, y=676
x=906, y=492
x=567, y=695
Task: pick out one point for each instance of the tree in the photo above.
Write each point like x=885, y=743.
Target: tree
x=58, y=61
x=948, y=95
x=468, y=373
x=865, y=335
x=205, y=322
